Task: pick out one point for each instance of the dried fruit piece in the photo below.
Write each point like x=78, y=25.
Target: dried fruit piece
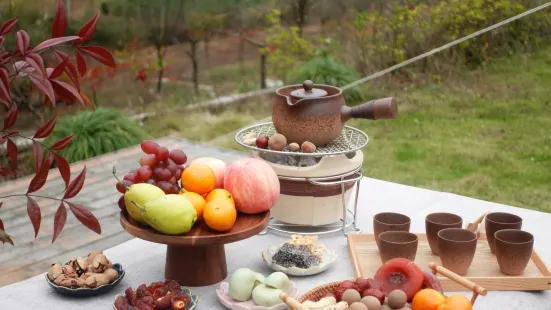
x=432, y=282
x=180, y=302
x=277, y=142
x=129, y=293
x=91, y=256
x=142, y=291
x=148, y=300
x=163, y=302
x=375, y=293
x=121, y=303
x=400, y=274
x=173, y=285
x=80, y=265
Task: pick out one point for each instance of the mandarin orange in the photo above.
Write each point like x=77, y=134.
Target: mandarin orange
x=427, y=299
x=198, y=178
x=219, y=215
x=456, y=302
x=197, y=201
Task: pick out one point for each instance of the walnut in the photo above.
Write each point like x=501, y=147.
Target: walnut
x=100, y=263
x=97, y=280
x=54, y=271
x=112, y=274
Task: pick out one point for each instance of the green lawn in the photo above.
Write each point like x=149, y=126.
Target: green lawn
x=483, y=134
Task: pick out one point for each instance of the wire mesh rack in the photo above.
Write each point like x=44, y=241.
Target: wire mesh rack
x=350, y=140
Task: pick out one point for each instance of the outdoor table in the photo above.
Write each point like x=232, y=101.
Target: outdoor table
x=144, y=261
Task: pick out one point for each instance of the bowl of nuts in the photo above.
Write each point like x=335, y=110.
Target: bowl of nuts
x=85, y=276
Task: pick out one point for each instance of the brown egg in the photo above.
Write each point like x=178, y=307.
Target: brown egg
x=386, y=307
x=351, y=296
x=277, y=142
x=397, y=299
x=358, y=306
x=371, y=302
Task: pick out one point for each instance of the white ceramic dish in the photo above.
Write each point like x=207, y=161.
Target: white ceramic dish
x=328, y=258
x=228, y=302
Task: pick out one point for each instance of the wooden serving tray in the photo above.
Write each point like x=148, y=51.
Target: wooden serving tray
x=484, y=269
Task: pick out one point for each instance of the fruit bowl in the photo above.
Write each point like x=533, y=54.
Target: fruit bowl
x=86, y=292
x=223, y=295
x=328, y=258
x=186, y=291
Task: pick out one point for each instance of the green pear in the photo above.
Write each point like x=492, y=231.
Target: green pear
x=278, y=280
x=170, y=214
x=266, y=296
x=140, y=193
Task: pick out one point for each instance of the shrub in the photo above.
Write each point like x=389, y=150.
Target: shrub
x=96, y=133
x=326, y=70
x=382, y=39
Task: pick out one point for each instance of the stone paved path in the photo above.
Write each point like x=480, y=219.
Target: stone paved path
x=32, y=256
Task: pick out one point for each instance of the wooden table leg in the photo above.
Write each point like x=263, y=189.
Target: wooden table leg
x=196, y=265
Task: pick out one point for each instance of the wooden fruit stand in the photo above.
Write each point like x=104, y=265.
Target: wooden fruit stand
x=198, y=258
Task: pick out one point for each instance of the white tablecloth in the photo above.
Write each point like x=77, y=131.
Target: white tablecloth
x=144, y=261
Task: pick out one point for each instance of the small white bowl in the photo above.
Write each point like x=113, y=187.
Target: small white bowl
x=230, y=303
x=328, y=258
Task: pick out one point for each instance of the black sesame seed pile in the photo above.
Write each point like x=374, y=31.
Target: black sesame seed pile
x=290, y=255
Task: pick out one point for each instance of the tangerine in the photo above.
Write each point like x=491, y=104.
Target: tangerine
x=197, y=201
x=456, y=302
x=198, y=178
x=219, y=215
x=220, y=194
x=427, y=299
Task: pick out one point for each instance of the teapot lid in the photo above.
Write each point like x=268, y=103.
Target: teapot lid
x=308, y=91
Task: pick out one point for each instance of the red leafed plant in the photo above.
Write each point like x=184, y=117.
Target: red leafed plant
x=27, y=61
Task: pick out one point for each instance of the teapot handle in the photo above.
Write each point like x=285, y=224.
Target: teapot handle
x=379, y=109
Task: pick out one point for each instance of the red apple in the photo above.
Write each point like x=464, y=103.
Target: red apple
x=217, y=166
x=253, y=184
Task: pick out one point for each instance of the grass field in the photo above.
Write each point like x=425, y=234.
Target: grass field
x=483, y=133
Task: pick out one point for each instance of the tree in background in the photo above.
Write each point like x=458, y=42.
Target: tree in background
x=300, y=10
x=285, y=47
x=156, y=22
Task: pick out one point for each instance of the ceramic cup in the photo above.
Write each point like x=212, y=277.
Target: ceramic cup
x=457, y=247
x=497, y=221
x=513, y=250
x=435, y=222
x=389, y=221
x=393, y=244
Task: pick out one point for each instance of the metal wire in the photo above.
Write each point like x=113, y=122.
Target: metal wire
x=445, y=46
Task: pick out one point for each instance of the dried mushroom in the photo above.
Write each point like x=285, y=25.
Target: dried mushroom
x=54, y=271
x=112, y=274
x=97, y=280
x=100, y=263
x=92, y=271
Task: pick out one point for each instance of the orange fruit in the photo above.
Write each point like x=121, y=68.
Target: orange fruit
x=456, y=302
x=198, y=178
x=219, y=215
x=197, y=201
x=220, y=194
x=427, y=299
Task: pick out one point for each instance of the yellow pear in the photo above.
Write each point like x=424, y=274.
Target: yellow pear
x=140, y=193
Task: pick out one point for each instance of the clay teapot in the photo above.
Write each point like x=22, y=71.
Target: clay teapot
x=317, y=113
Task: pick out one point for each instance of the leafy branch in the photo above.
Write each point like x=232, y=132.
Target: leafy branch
x=27, y=62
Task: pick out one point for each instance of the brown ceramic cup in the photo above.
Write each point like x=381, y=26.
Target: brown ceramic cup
x=513, y=250
x=394, y=244
x=389, y=221
x=500, y=220
x=457, y=247
x=435, y=222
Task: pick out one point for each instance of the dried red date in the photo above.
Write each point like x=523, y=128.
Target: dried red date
x=121, y=303
x=163, y=302
x=155, y=285
x=142, y=305
x=129, y=293
x=148, y=300
x=142, y=291
x=179, y=302
x=160, y=292
x=172, y=285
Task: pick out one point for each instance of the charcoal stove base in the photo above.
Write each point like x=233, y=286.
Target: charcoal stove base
x=348, y=221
